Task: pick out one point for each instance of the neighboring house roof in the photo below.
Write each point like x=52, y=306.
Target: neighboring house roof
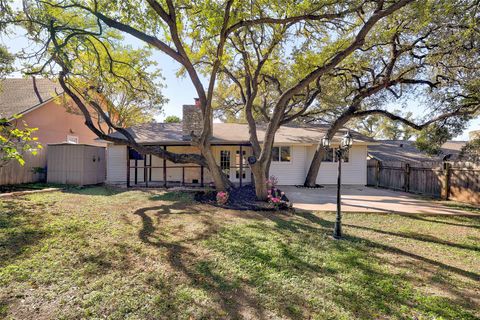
x=400, y=150
x=21, y=95
x=236, y=133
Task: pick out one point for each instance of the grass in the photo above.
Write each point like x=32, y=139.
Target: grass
x=461, y=206
x=104, y=253
x=30, y=186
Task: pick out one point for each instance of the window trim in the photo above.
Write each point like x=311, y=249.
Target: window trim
x=225, y=158
x=280, y=154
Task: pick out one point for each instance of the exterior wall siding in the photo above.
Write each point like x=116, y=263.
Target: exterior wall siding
x=75, y=164
x=116, y=164
x=288, y=173
x=353, y=172
x=55, y=123
x=293, y=172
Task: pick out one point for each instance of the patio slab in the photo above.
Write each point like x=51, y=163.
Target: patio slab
x=366, y=199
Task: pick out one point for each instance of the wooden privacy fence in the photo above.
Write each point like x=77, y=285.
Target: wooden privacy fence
x=14, y=173
x=458, y=181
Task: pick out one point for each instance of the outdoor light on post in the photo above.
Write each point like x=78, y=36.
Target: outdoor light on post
x=340, y=153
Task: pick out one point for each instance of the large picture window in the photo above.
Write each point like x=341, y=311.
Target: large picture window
x=281, y=154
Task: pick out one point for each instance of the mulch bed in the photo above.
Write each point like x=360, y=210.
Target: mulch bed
x=317, y=186
x=241, y=198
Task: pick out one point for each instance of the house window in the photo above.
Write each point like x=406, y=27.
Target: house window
x=225, y=162
x=330, y=156
x=281, y=154
x=72, y=139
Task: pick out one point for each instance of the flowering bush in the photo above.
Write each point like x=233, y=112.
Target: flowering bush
x=277, y=198
x=277, y=202
x=272, y=182
x=222, y=197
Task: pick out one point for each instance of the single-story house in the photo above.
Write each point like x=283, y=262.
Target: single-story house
x=406, y=151
x=293, y=151
x=43, y=105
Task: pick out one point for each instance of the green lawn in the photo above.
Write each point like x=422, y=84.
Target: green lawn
x=99, y=253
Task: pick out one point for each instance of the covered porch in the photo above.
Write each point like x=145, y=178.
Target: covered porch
x=147, y=170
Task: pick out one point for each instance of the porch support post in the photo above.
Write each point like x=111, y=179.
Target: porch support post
x=136, y=171
x=150, y=170
x=183, y=175
x=145, y=172
x=241, y=165
x=165, y=169
x=128, y=167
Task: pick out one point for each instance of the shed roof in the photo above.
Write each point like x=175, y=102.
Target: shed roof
x=236, y=133
x=406, y=151
x=20, y=95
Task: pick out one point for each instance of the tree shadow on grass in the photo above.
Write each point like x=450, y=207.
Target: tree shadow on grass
x=472, y=222
x=18, y=231
x=418, y=236
x=472, y=275
x=364, y=246
x=261, y=269
x=182, y=259
x=98, y=190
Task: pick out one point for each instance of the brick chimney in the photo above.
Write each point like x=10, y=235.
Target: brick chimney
x=192, y=120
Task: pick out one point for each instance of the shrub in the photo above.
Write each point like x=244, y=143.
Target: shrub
x=222, y=197
x=277, y=200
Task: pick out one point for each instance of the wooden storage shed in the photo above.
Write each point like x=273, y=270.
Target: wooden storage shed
x=79, y=164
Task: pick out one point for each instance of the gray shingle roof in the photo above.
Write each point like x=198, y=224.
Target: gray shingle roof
x=19, y=95
x=399, y=150
x=225, y=133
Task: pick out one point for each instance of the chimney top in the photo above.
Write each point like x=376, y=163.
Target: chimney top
x=197, y=101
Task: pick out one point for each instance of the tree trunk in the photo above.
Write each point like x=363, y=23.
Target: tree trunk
x=311, y=179
x=258, y=171
x=222, y=183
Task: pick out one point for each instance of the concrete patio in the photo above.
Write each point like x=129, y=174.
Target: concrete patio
x=366, y=199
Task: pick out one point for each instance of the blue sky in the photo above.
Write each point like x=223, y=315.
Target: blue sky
x=180, y=91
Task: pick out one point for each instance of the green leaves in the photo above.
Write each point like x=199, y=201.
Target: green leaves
x=15, y=142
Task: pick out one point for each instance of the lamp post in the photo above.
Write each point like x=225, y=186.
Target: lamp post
x=340, y=153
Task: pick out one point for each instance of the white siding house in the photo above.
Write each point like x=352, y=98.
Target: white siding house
x=291, y=172
x=292, y=153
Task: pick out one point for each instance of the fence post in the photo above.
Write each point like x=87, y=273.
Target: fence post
x=407, y=177
x=445, y=194
x=377, y=173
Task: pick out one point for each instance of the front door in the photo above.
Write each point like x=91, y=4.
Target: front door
x=234, y=165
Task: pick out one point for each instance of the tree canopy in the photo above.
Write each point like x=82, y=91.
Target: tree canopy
x=172, y=119
x=378, y=127
x=15, y=142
